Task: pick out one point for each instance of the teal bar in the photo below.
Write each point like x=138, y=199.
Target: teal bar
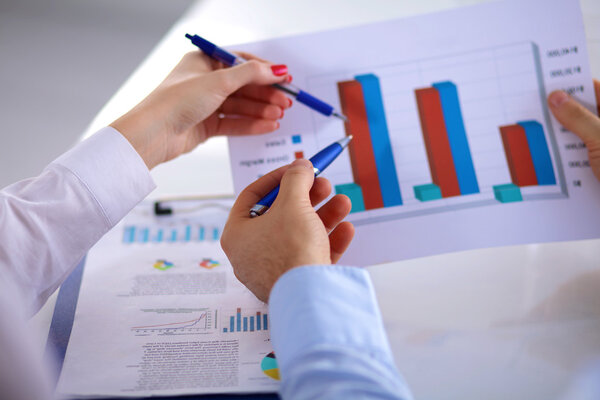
x=188, y=233
x=174, y=235
x=201, y=233
x=507, y=193
x=159, y=236
x=428, y=192
x=354, y=192
x=245, y=324
x=380, y=139
x=129, y=234
x=216, y=234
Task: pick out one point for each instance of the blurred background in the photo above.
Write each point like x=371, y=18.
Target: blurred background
x=60, y=62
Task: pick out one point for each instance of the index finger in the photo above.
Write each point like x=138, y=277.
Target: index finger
x=250, y=56
x=256, y=191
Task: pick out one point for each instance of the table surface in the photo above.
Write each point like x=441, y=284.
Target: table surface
x=516, y=322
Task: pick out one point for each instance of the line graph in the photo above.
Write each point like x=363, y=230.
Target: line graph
x=201, y=323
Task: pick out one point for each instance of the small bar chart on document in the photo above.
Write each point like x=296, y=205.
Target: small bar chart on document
x=175, y=321
x=241, y=320
x=441, y=134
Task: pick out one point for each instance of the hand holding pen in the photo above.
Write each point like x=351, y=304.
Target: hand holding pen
x=292, y=233
x=300, y=95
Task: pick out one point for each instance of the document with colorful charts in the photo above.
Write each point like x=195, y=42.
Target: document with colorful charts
x=454, y=146
x=161, y=313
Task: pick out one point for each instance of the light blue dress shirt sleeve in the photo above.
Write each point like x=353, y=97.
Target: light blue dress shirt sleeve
x=328, y=336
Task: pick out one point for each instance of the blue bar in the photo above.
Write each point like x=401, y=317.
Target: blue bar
x=380, y=138
x=457, y=136
x=129, y=234
x=265, y=322
x=540, y=155
x=174, y=235
x=231, y=324
x=201, y=233
x=188, y=233
x=296, y=139
x=159, y=236
x=145, y=235
x=216, y=234
x=239, y=322
x=225, y=330
x=251, y=324
x=258, y=321
x=428, y=192
x=245, y=324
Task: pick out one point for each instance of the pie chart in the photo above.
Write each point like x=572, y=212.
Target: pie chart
x=269, y=366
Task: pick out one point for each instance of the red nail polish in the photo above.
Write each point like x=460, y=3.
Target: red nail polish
x=279, y=70
x=290, y=102
x=281, y=116
x=288, y=79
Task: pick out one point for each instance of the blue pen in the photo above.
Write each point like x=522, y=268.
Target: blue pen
x=230, y=60
x=320, y=161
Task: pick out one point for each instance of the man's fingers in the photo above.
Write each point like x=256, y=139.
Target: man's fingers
x=334, y=211
x=574, y=116
x=256, y=191
x=319, y=191
x=296, y=184
x=340, y=239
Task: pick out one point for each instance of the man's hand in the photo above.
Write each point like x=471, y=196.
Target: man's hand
x=291, y=233
x=580, y=121
x=200, y=99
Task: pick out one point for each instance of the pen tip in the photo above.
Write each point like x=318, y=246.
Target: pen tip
x=187, y=35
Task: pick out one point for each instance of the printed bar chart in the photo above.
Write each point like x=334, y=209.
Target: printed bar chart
x=518, y=156
x=457, y=136
x=246, y=323
x=373, y=166
x=362, y=158
x=380, y=139
x=446, y=143
x=169, y=234
x=528, y=159
x=437, y=143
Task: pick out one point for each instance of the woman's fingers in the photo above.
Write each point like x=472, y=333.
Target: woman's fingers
x=266, y=94
x=251, y=108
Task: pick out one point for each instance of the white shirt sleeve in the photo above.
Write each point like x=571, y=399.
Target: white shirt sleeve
x=48, y=223
x=329, y=338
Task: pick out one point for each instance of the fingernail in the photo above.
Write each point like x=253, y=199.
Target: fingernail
x=558, y=98
x=281, y=116
x=303, y=162
x=280, y=69
x=288, y=79
x=278, y=125
x=290, y=102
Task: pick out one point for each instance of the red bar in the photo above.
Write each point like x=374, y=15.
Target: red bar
x=362, y=157
x=435, y=135
x=518, y=155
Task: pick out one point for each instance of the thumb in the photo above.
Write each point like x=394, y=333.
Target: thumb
x=250, y=72
x=295, y=184
x=574, y=116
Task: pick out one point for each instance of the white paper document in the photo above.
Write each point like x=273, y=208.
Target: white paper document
x=161, y=313
x=454, y=146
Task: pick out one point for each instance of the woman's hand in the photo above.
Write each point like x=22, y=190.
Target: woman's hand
x=291, y=233
x=200, y=99
x=580, y=121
